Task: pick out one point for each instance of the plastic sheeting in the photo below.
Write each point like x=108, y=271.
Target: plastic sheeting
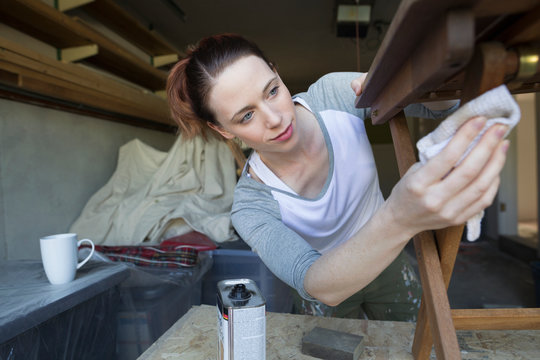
x=152, y=300
x=110, y=311
x=155, y=195
x=71, y=321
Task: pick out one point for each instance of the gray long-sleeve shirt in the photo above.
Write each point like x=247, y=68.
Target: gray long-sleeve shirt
x=289, y=232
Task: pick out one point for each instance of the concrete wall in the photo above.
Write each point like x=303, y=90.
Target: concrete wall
x=51, y=162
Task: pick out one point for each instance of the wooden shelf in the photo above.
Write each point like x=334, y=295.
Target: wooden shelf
x=117, y=19
x=47, y=24
x=32, y=72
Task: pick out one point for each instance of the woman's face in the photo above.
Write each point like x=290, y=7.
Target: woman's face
x=251, y=102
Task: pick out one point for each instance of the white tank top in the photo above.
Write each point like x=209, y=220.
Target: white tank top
x=350, y=195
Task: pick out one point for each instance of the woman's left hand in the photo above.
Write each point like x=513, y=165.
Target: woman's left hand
x=358, y=83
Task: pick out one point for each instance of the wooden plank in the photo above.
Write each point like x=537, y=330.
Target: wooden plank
x=452, y=89
x=434, y=291
x=78, y=74
x=77, y=53
x=13, y=94
x=448, y=240
x=41, y=21
x=422, y=341
x=99, y=90
x=121, y=62
x=161, y=93
x=444, y=51
x=10, y=78
x=393, y=50
x=484, y=8
x=408, y=29
x=485, y=71
x=42, y=84
x=52, y=26
x=64, y=5
x=162, y=60
x=113, y=16
x=525, y=29
x=434, y=294
x=405, y=158
x=403, y=146
x=497, y=319
x=147, y=103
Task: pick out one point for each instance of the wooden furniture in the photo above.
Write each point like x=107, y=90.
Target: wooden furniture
x=194, y=336
x=451, y=49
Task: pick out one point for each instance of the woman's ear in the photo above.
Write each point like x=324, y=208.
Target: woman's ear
x=220, y=130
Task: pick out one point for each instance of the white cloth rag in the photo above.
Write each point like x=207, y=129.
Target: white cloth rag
x=498, y=106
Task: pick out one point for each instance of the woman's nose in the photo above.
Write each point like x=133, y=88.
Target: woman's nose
x=273, y=117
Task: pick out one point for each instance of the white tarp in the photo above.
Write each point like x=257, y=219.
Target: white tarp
x=153, y=195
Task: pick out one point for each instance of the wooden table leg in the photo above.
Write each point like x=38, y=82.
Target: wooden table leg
x=485, y=72
x=434, y=299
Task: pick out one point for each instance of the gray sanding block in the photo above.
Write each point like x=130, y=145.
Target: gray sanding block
x=331, y=344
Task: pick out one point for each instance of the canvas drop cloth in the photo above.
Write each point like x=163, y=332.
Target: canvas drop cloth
x=154, y=195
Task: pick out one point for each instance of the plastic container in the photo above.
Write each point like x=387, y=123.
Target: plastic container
x=236, y=264
x=153, y=299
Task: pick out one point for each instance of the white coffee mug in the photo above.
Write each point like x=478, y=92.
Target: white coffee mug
x=59, y=256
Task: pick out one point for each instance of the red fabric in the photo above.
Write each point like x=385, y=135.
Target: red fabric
x=178, y=251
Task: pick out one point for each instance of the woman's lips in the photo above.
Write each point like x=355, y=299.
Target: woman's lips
x=284, y=135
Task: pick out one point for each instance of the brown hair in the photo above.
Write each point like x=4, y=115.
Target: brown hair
x=191, y=79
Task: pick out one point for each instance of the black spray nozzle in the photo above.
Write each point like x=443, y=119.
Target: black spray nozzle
x=239, y=292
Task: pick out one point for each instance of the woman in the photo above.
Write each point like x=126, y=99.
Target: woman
x=308, y=201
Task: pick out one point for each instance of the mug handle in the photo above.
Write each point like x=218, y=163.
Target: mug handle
x=91, y=252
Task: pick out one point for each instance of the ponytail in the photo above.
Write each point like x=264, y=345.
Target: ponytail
x=180, y=104
x=190, y=81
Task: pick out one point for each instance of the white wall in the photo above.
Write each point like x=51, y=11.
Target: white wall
x=526, y=159
x=51, y=162
x=506, y=201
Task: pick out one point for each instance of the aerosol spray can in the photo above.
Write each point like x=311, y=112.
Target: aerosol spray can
x=241, y=314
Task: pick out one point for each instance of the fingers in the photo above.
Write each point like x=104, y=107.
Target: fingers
x=472, y=166
x=358, y=83
x=480, y=193
x=483, y=202
x=441, y=164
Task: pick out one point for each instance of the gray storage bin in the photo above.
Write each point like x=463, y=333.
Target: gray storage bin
x=152, y=300
x=235, y=264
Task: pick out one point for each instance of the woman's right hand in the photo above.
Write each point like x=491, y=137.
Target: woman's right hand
x=439, y=194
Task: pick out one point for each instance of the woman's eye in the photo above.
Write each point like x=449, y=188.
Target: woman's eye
x=274, y=91
x=247, y=117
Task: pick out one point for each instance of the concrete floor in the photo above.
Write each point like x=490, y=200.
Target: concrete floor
x=485, y=277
